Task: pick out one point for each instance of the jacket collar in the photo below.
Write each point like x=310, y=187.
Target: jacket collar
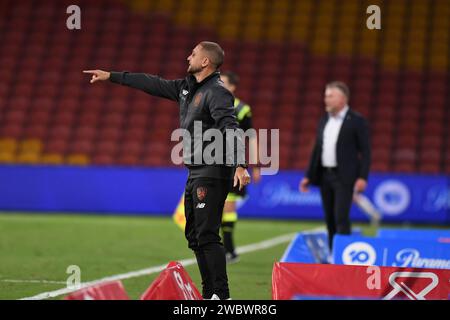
x=341, y=115
x=192, y=81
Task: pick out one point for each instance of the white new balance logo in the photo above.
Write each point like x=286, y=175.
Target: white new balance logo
x=200, y=205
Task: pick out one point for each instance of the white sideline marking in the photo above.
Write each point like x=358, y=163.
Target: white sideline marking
x=185, y=262
x=32, y=281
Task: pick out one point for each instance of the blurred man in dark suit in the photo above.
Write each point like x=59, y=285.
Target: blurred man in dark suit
x=340, y=161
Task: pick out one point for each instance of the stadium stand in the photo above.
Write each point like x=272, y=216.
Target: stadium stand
x=284, y=51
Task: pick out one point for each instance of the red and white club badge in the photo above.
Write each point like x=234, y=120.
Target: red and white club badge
x=201, y=193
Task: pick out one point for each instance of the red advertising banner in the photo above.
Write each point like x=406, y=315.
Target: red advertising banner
x=173, y=283
x=103, y=291
x=363, y=282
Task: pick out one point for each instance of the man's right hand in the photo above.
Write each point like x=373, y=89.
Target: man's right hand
x=304, y=185
x=98, y=75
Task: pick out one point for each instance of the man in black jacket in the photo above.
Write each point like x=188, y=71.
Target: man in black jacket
x=205, y=104
x=340, y=160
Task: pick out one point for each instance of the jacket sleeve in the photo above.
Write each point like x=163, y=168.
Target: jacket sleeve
x=363, y=144
x=310, y=174
x=309, y=171
x=246, y=123
x=221, y=107
x=150, y=84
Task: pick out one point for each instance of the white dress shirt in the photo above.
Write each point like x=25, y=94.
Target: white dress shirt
x=330, y=137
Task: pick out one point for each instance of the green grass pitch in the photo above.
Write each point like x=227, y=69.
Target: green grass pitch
x=40, y=247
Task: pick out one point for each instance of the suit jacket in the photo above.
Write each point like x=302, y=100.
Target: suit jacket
x=352, y=150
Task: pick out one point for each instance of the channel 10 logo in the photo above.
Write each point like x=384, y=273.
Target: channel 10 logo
x=359, y=254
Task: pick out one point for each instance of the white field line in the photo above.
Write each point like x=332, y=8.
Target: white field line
x=32, y=281
x=138, y=273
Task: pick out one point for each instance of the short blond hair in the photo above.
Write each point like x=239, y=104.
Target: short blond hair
x=214, y=52
x=341, y=86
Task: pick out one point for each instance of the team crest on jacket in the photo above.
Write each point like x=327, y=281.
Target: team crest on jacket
x=201, y=193
x=197, y=99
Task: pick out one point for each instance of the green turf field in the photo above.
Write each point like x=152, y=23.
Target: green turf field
x=41, y=247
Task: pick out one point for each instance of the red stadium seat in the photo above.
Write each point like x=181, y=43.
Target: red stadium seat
x=85, y=133
x=37, y=131
x=103, y=159
x=106, y=148
x=81, y=147
x=11, y=131
x=58, y=146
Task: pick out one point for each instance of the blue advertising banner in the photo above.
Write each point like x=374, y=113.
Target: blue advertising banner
x=399, y=198
x=90, y=189
x=357, y=250
x=440, y=235
x=308, y=247
x=134, y=190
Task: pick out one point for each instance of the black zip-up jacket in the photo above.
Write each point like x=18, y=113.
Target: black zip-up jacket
x=209, y=102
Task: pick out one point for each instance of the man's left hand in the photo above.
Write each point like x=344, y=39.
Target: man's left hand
x=242, y=177
x=256, y=174
x=360, y=185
